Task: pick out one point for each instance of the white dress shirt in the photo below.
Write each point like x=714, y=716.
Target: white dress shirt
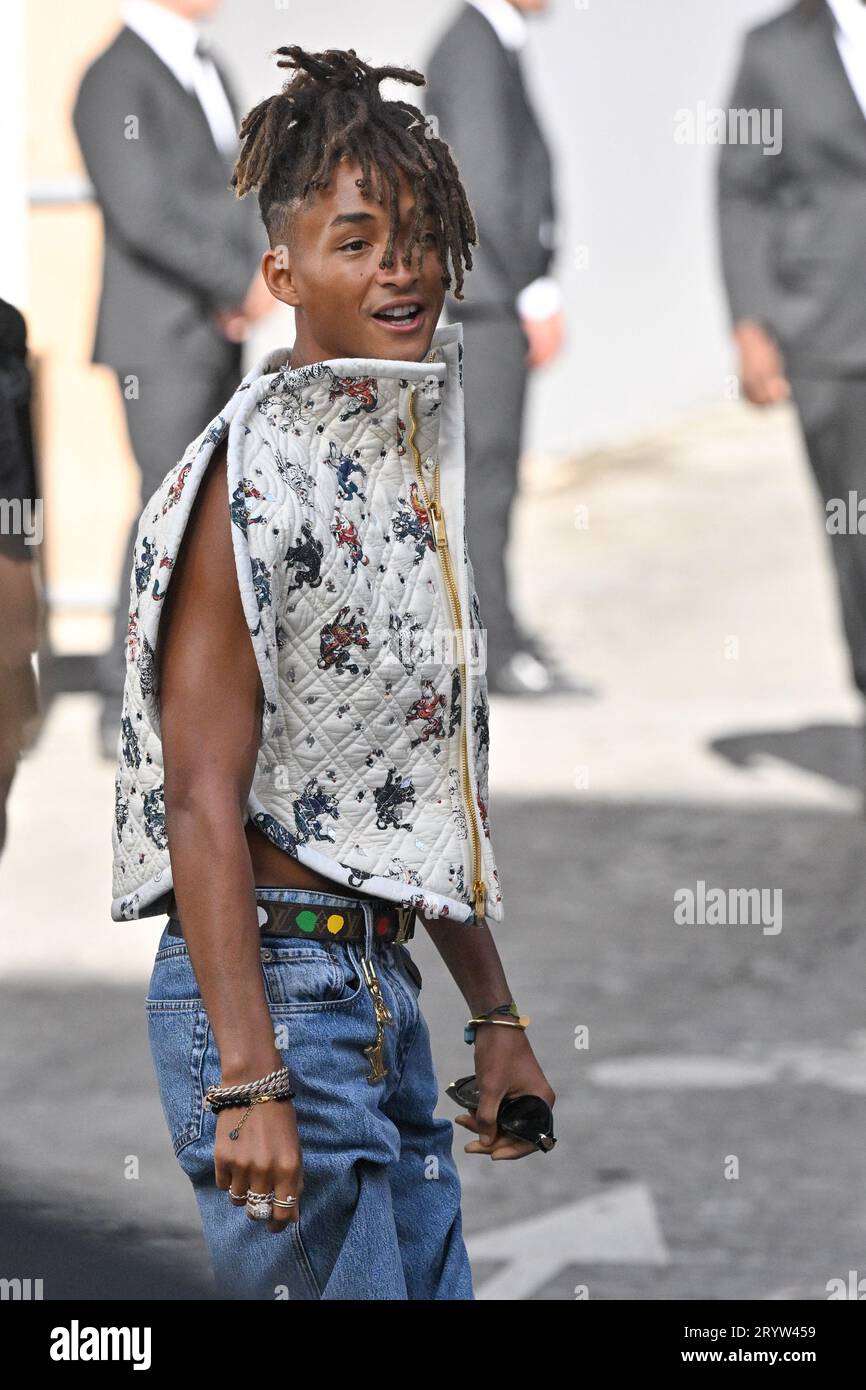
x=542, y=297
x=850, y=35
x=174, y=39
x=509, y=23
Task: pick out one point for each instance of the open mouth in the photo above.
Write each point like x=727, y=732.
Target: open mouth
x=402, y=319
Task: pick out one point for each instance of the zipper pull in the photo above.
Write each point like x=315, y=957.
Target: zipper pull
x=438, y=520
x=479, y=892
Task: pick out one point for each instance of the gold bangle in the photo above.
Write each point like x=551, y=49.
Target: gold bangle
x=506, y=1022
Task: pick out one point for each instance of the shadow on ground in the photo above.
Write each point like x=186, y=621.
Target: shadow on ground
x=835, y=751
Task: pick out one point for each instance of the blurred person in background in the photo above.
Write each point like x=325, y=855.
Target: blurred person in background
x=21, y=607
x=793, y=244
x=157, y=124
x=512, y=317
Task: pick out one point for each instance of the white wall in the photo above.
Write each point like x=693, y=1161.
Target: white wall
x=647, y=322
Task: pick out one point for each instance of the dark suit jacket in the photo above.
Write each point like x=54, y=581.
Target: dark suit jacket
x=476, y=90
x=793, y=224
x=177, y=241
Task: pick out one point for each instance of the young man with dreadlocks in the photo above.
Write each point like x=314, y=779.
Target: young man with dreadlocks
x=304, y=752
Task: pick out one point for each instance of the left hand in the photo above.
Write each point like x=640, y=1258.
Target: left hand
x=505, y=1065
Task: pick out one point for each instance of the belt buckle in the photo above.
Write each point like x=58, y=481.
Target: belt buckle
x=405, y=917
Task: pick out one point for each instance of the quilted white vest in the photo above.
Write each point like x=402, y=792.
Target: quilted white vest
x=347, y=499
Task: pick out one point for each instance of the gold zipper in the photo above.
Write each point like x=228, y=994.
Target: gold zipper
x=437, y=518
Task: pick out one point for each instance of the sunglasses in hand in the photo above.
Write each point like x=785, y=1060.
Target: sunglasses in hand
x=528, y=1118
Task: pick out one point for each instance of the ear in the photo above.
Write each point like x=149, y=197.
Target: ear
x=277, y=270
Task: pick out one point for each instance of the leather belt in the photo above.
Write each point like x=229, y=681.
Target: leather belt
x=324, y=922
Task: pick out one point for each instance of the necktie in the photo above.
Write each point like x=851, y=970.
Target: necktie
x=213, y=100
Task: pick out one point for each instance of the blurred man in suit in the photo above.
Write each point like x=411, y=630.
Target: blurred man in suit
x=793, y=242
x=157, y=125
x=511, y=315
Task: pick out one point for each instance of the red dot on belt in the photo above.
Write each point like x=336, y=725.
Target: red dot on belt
x=382, y=924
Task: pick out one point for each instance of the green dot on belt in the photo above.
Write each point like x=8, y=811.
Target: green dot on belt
x=306, y=920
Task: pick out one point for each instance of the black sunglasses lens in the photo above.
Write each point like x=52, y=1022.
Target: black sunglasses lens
x=526, y=1117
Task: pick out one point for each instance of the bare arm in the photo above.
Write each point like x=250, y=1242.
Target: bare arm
x=505, y=1064
x=210, y=712
x=22, y=610
x=211, y=703
x=472, y=959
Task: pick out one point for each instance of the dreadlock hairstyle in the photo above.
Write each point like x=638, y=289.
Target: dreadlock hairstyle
x=332, y=107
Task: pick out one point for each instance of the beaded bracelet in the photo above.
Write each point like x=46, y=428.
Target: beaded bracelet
x=259, y=1100
x=283, y=1092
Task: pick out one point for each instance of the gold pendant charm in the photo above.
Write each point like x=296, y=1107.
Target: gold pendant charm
x=374, y=1052
x=234, y=1133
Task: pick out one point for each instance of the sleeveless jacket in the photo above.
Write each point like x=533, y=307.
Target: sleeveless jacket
x=346, y=490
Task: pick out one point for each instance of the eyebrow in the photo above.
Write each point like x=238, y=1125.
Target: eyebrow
x=351, y=217
x=355, y=217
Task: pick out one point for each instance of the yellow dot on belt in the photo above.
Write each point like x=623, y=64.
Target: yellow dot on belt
x=335, y=922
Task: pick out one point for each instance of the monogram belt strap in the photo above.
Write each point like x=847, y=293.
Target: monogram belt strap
x=324, y=922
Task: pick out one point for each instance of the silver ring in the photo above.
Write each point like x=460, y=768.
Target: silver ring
x=259, y=1211
x=289, y=1202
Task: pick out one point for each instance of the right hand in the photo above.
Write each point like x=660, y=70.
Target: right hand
x=762, y=368
x=265, y=1157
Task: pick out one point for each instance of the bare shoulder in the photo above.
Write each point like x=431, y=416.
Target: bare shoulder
x=197, y=560
x=210, y=691
x=203, y=619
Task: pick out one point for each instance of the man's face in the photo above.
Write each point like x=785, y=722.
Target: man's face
x=335, y=282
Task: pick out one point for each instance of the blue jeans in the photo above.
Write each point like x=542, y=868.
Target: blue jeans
x=379, y=1216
